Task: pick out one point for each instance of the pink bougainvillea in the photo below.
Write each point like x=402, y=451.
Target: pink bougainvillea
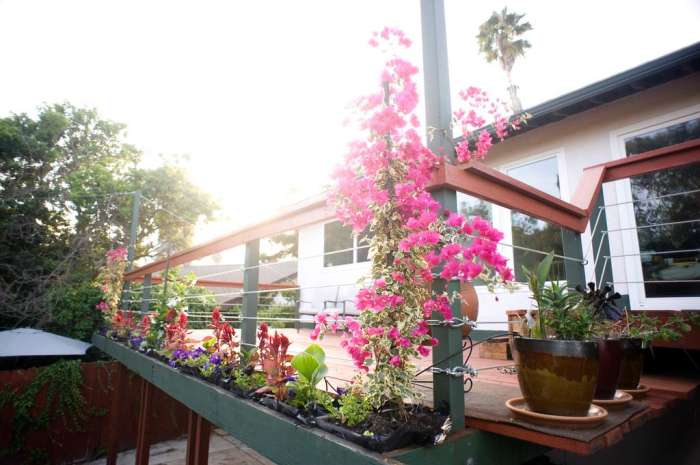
x=381, y=185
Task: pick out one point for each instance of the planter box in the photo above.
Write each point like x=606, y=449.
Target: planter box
x=272, y=434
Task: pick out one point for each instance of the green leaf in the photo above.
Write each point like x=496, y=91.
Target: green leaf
x=305, y=364
x=543, y=269
x=317, y=352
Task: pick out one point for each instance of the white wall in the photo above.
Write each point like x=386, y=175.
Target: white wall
x=313, y=273
x=582, y=140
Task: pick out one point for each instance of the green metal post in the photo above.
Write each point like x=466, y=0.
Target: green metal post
x=448, y=391
x=574, y=270
x=135, y=218
x=250, y=284
x=436, y=77
x=600, y=248
x=131, y=251
x=146, y=293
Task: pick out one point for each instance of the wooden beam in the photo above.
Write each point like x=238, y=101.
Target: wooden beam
x=225, y=284
x=198, y=432
x=314, y=211
x=673, y=156
x=479, y=180
x=474, y=178
x=143, y=441
x=593, y=177
x=118, y=388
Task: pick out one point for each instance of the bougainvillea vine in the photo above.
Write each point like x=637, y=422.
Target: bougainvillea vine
x=382, y=186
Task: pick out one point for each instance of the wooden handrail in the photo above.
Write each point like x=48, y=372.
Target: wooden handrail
x=474, y=178
x=223, y=283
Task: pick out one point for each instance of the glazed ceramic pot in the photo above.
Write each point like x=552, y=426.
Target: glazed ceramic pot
x=557, y=377
x=632, y=363
x=469, y=306
x=610, y=361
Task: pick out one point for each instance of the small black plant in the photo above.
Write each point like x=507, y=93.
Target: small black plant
x=601, y=301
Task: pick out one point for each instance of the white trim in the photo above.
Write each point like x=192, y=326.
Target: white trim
x=502, y=215
x=355, y=246
x=629, y=268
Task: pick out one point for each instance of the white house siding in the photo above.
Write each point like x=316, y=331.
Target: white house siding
x=582, y=140
x=312, y=273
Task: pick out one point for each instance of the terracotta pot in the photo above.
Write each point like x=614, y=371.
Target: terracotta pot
x=632, y=363
x=469, y=306
x=557, y=377
x=610, y=361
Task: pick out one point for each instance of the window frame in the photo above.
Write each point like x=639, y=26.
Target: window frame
x=628, y=269
x=355, y=247
x=502, y=215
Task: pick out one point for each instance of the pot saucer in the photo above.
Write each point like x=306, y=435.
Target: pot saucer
x=596, y=415
x=638, y=393
x=620, y=400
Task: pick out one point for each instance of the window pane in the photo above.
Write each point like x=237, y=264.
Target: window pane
x=663, y=137
x=363, y=245
x=657, y=244
x=337, y=237
x=533, y=233
x=473, y=206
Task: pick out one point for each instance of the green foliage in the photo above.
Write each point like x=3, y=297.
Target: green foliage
x=73, y=311
x=311, y=369
x=641, y=325
x=62, y=381
x=353, y=408
x=498, y=39
x=247, y=382
x=561, y=313
x=63, y=179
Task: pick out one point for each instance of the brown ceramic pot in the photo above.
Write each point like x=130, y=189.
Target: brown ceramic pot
x=557, y=377
x=469, y=306
x=632, y=363
x=610, y=360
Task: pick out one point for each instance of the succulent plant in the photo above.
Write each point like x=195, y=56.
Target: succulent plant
x=601, y=301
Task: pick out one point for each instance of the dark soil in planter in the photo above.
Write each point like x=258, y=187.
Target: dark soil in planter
x=388, y=431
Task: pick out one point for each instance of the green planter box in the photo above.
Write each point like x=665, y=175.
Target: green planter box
x=281, y=440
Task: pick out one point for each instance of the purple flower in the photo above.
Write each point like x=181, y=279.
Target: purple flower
x=172, y=363
x=179, y=354
x=215, y=359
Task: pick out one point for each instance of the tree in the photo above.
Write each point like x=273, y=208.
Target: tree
x=498, y=40
x=67, y=179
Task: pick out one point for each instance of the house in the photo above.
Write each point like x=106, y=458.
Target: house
x=655, y=263
x=649, y=225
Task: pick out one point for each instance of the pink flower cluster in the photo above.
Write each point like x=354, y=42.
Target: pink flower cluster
x=389, y=171
x=476, y=138
x=116, y=255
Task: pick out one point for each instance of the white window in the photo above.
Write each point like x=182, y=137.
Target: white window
x=342, y=247
x=659, y=233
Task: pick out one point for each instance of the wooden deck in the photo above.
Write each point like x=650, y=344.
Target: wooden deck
x=665, y=393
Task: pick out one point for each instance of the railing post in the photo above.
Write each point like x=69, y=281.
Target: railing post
x=250, y=284
x=574, y=270
x=600, y=247
x=146, y=293
x=448, y=390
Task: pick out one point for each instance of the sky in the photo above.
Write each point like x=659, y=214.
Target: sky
x=255, y=93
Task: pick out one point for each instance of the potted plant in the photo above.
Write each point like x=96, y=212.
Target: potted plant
x=601, y=305
x=558, y=363
x=637, y=332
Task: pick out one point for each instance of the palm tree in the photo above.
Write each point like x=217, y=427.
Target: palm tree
x=498, y=40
